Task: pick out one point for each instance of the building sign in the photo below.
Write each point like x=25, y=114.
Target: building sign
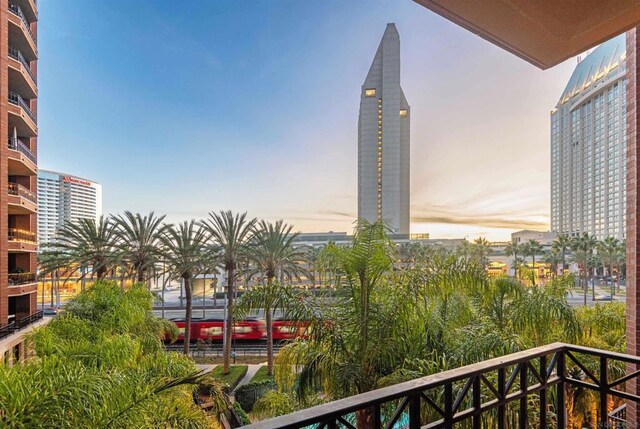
x=69, y=179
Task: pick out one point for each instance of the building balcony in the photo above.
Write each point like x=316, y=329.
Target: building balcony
x=22, y=162
x=17, y=325
x=531, y=388
x=20, y=34
x=21, y=78
x=29, y=9
x=20, y=116
x=21, y=200
x=19, y=279
x=22, y=240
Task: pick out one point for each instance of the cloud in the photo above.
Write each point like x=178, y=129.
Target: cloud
x=486, y=221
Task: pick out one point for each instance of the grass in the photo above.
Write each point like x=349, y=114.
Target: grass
x=236, y=373
x=261, y=376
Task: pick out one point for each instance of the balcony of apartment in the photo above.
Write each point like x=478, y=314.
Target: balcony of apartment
x=21, y=116
x=16, y=324
x=22, y=240
x=21, y=78
x=20, y=34
x=21, y=200
x=22, y=161
x=532, y=388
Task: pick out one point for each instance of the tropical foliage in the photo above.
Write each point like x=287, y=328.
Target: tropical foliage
x=101, y=364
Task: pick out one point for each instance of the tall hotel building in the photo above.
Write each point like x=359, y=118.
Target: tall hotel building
x=383, y=140
x=18, y=160
x=62, y=199
x=588, y=146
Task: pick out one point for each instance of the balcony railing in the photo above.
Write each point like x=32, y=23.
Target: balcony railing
x=16, y=10
x=19, y=324
x=14, y=98
x=16, y=144
x=22, y=236
x=17, y=55
x=526, y=389
x=21, y=191
x=17, y=279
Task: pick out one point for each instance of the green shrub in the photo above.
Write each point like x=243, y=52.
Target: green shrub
x=248, y=394
x=242, y=416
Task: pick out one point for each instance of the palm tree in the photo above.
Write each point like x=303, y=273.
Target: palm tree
x=481, y=248
x=514, y=249
x=609, y=251
x=272, y=253
x=138, y=241
x=554, y=259
x=582, y=248
x=561, y=244
x=533, y=248
x=88, y=243
x=232, y=234
x=185, y=255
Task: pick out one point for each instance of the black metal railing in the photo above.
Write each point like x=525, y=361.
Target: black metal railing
x=21, y=191
x=531, y=388
x=17, y=55
x=20, y=324
x=14, y=98
x=17, y=279
x=17, y=144
x=16, y=10
x=22, y=235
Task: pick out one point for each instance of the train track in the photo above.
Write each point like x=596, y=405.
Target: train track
x=215, y=350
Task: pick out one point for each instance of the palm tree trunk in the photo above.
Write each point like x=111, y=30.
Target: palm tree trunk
x=270, y=357
x=229, y=327
x=187, y=317
x=534, y=268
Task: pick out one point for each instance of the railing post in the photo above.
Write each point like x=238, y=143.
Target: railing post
x=448, y=405
x=414, y=411
x=523, y=400
x=377, y=417
x=501, y=398
x=604, y=385
x=543, y=393
x=477, y=402
x=560, y=405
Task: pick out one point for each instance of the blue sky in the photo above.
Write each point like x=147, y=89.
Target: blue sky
x=192, y=106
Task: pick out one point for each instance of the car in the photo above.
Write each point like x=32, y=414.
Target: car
x=50, y=311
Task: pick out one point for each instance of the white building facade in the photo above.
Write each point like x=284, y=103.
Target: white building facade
x=383, y=140
x=588, y=146
x=64, y=198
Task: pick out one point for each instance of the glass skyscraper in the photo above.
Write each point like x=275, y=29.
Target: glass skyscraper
x=383, y=140
x=588, y=146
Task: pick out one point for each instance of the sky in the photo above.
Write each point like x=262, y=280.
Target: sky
x=195, y=106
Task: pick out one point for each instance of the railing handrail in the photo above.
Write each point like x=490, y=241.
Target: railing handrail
x=22, y=278
x=16, y=99
x=16, y=54
x=17, y=144
x=18, y=189
x=335, y=409
x=17, y=10
x=23, y=235
x=8, y=329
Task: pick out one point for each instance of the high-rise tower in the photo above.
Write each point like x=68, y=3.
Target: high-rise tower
x=383, y=140
x=18, y=160
x=589, y=146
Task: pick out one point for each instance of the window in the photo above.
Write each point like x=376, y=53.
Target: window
x=403, y=113
x=370, y=92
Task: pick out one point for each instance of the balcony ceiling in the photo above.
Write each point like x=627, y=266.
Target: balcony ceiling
x=543, y=32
